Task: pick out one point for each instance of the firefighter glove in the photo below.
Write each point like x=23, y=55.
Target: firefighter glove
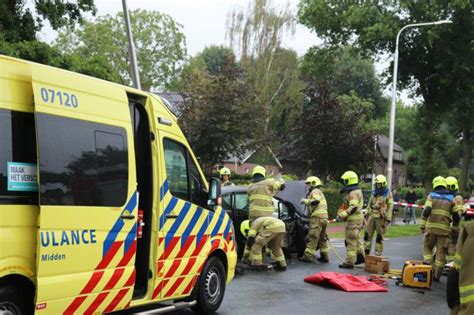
x=250, y=241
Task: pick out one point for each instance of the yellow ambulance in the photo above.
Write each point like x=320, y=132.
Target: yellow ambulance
x=103, y=206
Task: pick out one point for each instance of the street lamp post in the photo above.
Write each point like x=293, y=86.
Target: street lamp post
x=133, y=54
x=394, y=97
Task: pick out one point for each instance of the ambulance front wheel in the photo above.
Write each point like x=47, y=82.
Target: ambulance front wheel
x=14, y=302
x=210, y=287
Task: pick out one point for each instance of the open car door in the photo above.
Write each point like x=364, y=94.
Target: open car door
x=87, y=188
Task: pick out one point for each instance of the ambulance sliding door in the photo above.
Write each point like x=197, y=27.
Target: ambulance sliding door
x=88, y=202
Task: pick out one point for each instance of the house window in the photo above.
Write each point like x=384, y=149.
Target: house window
x=246, y=170
x=397, y=155
x=271, y=171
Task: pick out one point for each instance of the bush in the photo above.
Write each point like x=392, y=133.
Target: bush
x=419, y=191
x=334, y=200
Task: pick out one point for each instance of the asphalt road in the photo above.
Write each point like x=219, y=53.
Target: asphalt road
x=287, y=293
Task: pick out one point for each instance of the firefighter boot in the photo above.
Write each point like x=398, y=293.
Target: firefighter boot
x=323, y=259
x=278, y=267
x=360, y=259
x=305, y=259
x=262, y=267
x=346, y=266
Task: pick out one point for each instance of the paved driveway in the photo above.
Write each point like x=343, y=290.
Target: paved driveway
x=286, y=293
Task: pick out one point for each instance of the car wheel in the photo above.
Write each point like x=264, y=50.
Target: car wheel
x=210, y=287
x=14, y=302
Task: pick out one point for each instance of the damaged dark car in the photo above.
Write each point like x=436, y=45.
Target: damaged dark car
x=287, y=208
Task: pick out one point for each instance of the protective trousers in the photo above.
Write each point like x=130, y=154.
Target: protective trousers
x=274, y=241
x=374, y=225
x=246, y=248
x=353, y=244
x=452, y=244
x=441, y=242
x=316, y=237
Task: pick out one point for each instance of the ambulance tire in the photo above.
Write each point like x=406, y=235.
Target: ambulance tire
x=13, y=301
x=210, y=287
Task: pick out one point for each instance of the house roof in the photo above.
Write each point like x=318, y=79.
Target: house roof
x=172, y=100
x=244, y=158
x=383, y=145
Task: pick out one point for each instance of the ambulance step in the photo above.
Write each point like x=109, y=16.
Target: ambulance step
x=170, y=308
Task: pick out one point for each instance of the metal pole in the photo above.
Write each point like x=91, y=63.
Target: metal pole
x=133, y=55
x=394, y=97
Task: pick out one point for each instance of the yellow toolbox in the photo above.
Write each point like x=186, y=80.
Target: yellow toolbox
x=416, y=274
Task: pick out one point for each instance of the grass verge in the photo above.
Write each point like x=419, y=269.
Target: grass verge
x=393, y=231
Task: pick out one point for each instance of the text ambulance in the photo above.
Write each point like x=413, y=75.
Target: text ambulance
x=102, y=204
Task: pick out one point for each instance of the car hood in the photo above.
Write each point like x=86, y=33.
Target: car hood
x=294, y=191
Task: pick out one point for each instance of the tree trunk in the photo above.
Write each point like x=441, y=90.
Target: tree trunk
x=427, y=184
x=466, y=160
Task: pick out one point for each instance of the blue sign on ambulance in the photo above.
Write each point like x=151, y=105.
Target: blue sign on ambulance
x=22, y=176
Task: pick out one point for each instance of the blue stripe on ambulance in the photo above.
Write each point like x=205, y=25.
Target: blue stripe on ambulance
x=227, y=229
x=130, y=238
x=191, y=225
x=218, y=224
x=118, y=225
x=164, y=189
x=169, y=207
x=203, y=228
x=182, y=214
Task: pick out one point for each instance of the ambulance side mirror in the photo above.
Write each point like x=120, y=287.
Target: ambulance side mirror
x=215, y=195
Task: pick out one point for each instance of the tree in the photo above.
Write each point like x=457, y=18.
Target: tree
x=435, y=62
x=329, y=137
x=159, y=41
x=257, y=35
x=217, y=115
x=430, y=144
x=348, y=71
x=37, y=51
x=216, y=58
x=20, y=23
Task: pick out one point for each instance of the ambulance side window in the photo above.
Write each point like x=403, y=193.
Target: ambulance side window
x=184, y=179
x=82, y=163
x=176, y=169
x=18, y=183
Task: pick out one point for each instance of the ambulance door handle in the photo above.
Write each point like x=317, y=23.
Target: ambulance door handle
x=171, y=216
x=127, y=217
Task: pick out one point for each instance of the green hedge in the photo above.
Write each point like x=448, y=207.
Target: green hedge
x=334, y=200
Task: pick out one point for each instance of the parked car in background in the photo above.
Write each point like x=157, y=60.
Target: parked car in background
x=469, y=207
x=287, y=208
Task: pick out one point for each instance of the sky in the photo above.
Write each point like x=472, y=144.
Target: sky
x=204, y=24
x=203, y=21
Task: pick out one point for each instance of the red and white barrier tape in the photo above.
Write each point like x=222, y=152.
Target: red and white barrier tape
x=405, y=204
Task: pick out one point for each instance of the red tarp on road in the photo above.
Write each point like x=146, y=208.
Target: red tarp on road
x=345, y=282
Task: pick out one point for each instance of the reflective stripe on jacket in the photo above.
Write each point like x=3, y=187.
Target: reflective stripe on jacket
x=381, y=206
x=353, y=199
x=260, y=197
x=321, y=209
x=442, y=209
x=267, y=224
x=464, y=262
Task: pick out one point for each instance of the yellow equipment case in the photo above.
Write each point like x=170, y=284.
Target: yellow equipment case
x=416, y=274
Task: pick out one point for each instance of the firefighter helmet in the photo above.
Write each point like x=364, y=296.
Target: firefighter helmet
x=245, y=227
x=313, y=181
x=259, y=170
x=224, y=171
x=439, y=181
x=452, y=183
x=350, y=178
x=381, y=179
